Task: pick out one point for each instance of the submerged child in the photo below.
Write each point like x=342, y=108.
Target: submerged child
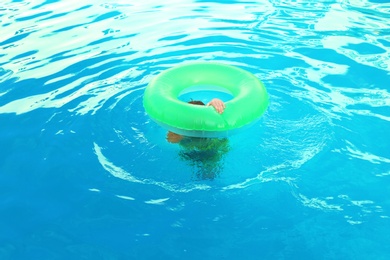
x=205, y=154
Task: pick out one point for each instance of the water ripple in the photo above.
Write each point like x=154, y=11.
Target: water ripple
x=93, y=59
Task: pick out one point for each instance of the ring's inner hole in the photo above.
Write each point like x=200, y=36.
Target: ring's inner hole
x=205, y=93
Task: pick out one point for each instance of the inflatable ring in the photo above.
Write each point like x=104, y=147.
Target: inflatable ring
x=161, y=99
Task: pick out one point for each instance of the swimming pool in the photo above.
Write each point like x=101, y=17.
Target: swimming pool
x=85, y=173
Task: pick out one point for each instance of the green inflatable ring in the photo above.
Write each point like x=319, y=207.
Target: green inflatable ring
x=162, y=104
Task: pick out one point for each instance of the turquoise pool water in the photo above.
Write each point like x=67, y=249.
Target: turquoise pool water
x=85, y=173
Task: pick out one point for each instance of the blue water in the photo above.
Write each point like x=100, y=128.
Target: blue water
x=86, y=174
x=205, y=93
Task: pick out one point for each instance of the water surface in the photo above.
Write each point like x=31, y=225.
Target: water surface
x=85, y=173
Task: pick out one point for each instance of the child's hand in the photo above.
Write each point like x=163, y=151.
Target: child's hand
x=174, y=138
x=217, y=104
